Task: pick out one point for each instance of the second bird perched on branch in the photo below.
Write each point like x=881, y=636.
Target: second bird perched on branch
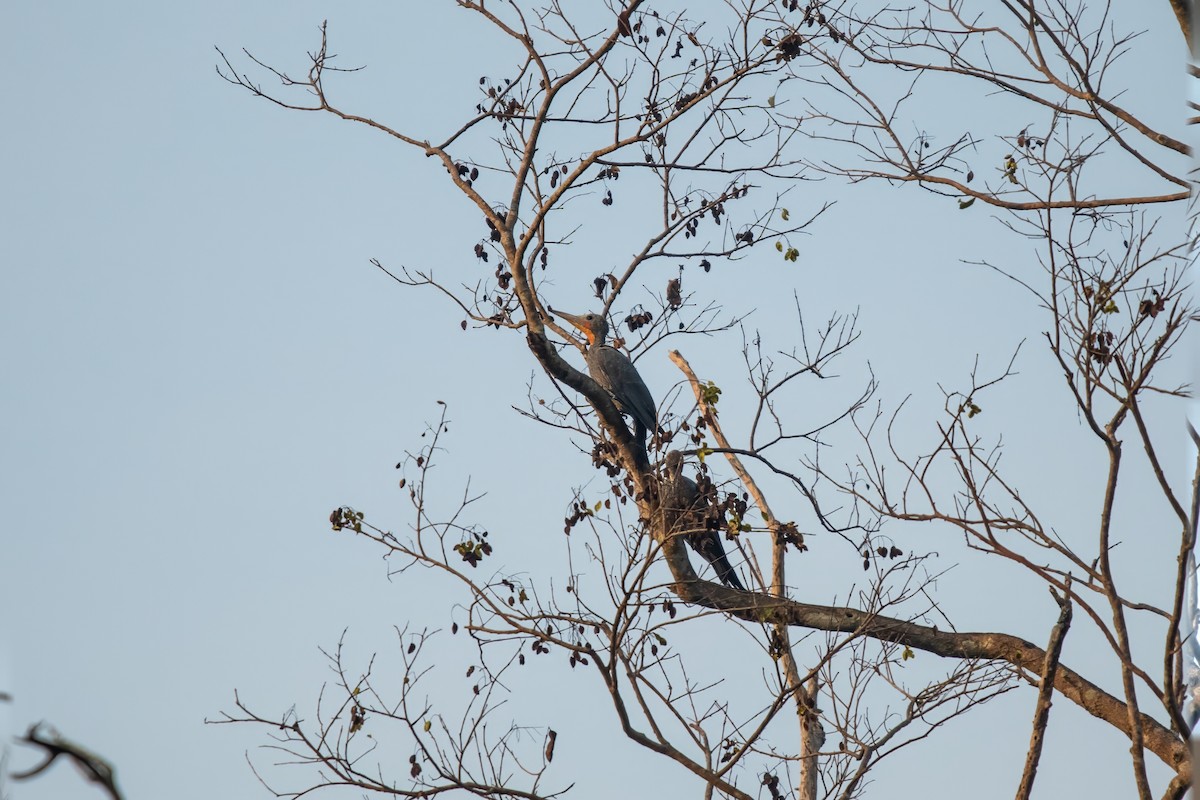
x=681, y=496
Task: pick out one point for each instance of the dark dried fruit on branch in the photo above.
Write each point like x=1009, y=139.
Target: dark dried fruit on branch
x=788, y=533
x=789, y=47
x=635, y=321
x=674, y=292
x=777, y=646
x=474, y=549
x=1100, y=347
x=683, y=100
x=604, y=456
x=503, y=277
x=768, y=780
x=495, y=232
x=1152, y=307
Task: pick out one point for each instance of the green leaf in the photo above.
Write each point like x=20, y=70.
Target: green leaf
x=785, y=215
x=965, y=202
x=908, y=653
x=779, y=246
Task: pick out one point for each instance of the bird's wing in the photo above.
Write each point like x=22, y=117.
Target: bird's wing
x=616, y=373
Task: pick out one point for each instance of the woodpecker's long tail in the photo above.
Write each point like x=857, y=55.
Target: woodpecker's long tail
x=708, y=544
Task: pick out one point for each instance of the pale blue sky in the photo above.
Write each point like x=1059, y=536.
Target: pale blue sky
x=202, y=363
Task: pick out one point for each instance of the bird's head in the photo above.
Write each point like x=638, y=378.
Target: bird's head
x=593, y=326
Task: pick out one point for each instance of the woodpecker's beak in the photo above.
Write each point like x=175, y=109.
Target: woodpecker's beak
x=577, y=323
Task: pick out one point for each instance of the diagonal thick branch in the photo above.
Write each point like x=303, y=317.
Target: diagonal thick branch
x=1025, y=656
